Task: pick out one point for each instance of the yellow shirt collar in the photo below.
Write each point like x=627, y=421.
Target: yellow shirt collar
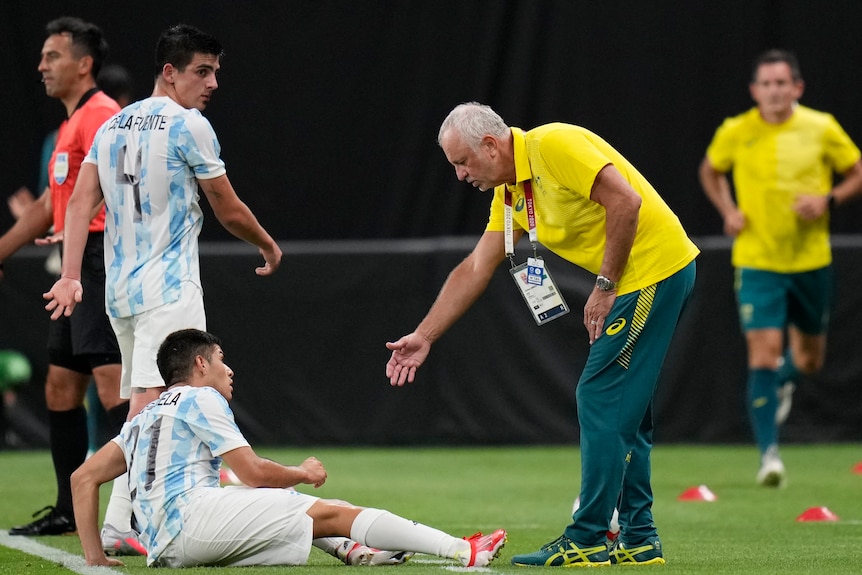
x=522, y=161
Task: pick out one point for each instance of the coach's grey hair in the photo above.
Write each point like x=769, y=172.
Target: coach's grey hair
x=473, y=121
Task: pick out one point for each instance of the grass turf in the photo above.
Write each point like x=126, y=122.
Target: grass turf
x=529, y=491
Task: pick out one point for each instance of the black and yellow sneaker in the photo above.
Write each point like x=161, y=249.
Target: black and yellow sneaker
x=52, y=523
x=647, y=554
x=564, y=553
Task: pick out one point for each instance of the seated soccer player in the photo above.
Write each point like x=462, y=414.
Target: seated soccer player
x=173, y=451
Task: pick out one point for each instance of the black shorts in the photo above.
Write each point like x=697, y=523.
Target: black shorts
x=85, y=339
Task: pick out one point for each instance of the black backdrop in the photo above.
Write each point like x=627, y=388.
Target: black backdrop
x=328, y=113
x=328, y=110
x=307, y=346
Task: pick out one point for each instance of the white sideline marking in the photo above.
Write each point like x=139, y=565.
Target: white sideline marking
x=446, y=565
x=74, y=563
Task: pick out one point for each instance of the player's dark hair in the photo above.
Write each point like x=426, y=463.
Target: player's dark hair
x=178, y=45
x=176, y=356
x=116, y=82
x=87, y=39
x=773, y=57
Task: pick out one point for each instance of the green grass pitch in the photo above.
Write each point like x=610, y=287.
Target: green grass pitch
x=529, y=491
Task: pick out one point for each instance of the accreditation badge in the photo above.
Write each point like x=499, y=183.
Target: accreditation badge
x=61, y=167
x=545, y=301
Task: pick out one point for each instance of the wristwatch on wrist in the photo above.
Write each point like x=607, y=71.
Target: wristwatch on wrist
x=604, y=284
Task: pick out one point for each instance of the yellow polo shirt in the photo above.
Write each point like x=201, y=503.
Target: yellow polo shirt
x=562, y=161
x=772, y=164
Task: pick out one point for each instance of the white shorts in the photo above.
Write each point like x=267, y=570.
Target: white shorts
x=240, y=526
x=140, y=336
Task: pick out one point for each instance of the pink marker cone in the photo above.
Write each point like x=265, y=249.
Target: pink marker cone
x=817, y=514
x=699, y=493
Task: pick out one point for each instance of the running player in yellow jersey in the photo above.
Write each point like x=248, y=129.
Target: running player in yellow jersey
x=571, y=191
x=783, y=156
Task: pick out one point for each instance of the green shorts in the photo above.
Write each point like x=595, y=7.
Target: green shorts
x=774, y=300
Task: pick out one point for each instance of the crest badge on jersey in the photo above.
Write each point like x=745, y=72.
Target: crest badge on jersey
x=61, y=167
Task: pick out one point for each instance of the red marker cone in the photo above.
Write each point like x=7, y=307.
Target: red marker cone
x=699, y=493
x=858, y=468
x=817, y=514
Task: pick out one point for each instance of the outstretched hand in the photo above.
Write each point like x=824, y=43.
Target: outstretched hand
x=65, y=294
x=408, y=353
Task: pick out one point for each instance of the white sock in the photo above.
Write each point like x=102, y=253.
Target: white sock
x=385, y=530
x=329, y=544
x=119, y=511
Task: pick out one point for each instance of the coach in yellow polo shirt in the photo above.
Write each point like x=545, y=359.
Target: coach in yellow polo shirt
x=575, y=194
x=783, y=156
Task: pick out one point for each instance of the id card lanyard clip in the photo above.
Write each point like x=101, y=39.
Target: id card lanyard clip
x=532, y=278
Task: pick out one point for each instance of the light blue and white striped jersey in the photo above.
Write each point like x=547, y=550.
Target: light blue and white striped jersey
x=150, y=156
x=172, y=449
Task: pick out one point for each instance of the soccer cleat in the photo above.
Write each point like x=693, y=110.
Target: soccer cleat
x=115, y=542
x=52, y=523
x=771, y=473
x=565, y=553
x=785, y=401
x=483, y=548
x=382, y=557
x=647, y=554
x=353, y=553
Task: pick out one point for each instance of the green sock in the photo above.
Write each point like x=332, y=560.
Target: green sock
x=762, y=403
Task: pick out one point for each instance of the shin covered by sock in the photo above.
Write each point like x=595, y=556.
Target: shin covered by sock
x=119, y=511
x=385, y=530
x=762, y=402
x=69, y=443
x=329, y=544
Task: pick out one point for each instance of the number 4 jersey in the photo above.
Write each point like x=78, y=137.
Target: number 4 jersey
x=150, y=156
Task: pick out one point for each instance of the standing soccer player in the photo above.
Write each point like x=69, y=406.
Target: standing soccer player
x=782, y=156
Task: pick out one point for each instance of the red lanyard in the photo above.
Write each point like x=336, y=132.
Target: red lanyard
x=531, y=219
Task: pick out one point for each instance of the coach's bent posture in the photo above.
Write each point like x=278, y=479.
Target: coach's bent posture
x=173, y=451
x=578, y=196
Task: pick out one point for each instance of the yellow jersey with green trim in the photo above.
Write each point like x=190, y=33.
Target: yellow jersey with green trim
x=562, y=161
x=772, y=164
